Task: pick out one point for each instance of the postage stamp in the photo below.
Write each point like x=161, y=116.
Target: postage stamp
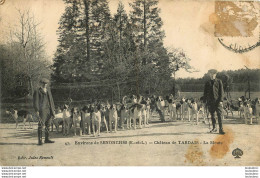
x=236, y=19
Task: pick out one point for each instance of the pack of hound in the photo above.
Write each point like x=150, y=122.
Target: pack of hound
x=135, y=112
x=246, y=108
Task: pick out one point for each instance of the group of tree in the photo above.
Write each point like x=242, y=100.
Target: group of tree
x=23, y=59
x=125, y=50
x=120, y=54
x=233, y=80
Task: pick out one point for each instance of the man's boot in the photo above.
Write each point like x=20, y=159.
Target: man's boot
x=221, y=131
x=214, y=129
x=39, y=136
x=47, y=140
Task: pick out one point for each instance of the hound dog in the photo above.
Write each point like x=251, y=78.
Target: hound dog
x=86, y=119
x=172, y=109
x=137, y=114
x=195, y=110
x=186, y=109
x=202, y=109
x=241, y=109
x=104, y=120
x=67, y=120
x=238, y=106
x=153, y=104
x=124, y=116
x=166, y=107
x=256, y=109
x=76, y=120
x=161, y=108
x=106, y=113
x=181, y=107
x=26, y=115
x=227, y=107
x=148, y=110
x=113, y=116
x=135, y=111
x=57, y=121
x=179, y=110
x=248, y=112
x=96, y=120
x=222, y=108
x=144, y=112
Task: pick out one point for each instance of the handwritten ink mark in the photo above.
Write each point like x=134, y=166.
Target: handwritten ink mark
x=2, y=2
x=239, y=49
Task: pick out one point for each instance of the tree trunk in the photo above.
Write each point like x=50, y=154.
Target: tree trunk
x=31, y=86
x=120, y=37
x=145, y=31
x=86, y=4
x=119, y=93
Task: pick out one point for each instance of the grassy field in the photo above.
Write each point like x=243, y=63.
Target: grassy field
x=234, y=95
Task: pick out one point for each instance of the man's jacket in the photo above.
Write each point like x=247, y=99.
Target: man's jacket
x=38, y=99
x=213, y=92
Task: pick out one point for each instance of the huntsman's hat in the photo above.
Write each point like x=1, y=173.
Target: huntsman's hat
x=44, y=80
x=212, y=71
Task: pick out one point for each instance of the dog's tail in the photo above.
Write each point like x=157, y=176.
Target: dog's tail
x=140, y=99
x=69, y=101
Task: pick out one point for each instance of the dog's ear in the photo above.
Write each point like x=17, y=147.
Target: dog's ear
x=65, y=106
x=98, y=107
x=86, y=108
x=140, y=99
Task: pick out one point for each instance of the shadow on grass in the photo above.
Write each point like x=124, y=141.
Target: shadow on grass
x=1, y=143
x=129, y=136
x=233, y=121
x=32, y=133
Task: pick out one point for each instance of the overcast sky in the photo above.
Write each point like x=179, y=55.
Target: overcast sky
x=186, y=25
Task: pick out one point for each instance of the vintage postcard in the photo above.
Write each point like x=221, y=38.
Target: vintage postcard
x=129, y=83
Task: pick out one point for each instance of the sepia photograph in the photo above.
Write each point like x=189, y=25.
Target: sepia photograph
x=129, y=83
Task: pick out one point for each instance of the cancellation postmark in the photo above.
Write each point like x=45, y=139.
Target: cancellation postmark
x=2, y=2
x=237, y=25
